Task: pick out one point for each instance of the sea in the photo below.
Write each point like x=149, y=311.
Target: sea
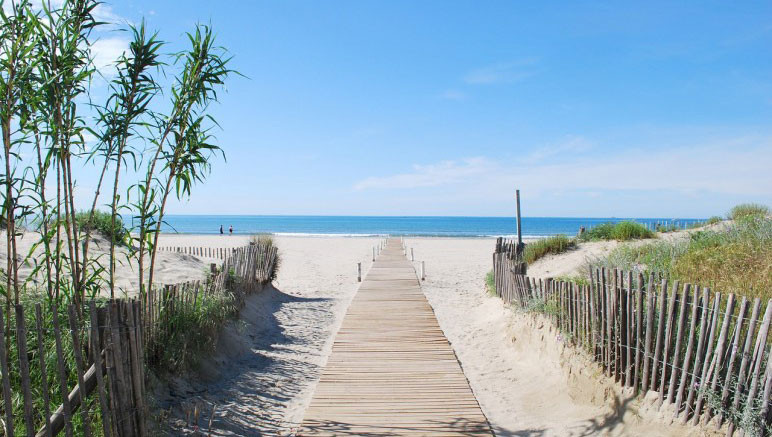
x=354, y=226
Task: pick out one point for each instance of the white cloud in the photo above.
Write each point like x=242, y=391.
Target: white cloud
x=738, y=167
x=442, y=173
x=106, y=51
x=501, y=72
x=104, y=13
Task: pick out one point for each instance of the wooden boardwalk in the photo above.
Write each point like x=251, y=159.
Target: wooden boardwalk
x=392, y=371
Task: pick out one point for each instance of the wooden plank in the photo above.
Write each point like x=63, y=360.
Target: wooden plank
x=96, y=358
x=705, y=375
x=136, y=370
x=21, y=344
x=638, y=323
x=738, y=391
x=43, y=371
x=6, y=377
x=675, y=363
x=77, y=352
x=649, y=323
x=732, y=359
x=659, y=334
x=66, y=415
x=668, y=334
x=392, y=371
x=685, y=367
x=698, y=355
x=761, y=345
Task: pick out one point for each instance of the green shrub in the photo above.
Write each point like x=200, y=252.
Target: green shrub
x=490, y=283
x=545, y=246
x=628, y=230
x=622, y=231
x=733, y=260
x=745, y=210
x=195, y=327
x=102, y=223
x=713, y=220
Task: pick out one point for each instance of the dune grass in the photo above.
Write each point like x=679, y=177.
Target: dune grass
x=713, y=220
x=196, y=327
x=545, y=246
x=622, y=231
x=748, y=210
x=733, y=260
x=102, y=223
x=490, y=283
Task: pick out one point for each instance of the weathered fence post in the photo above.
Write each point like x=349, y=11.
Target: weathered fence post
x=359, y=272
x=423, y=270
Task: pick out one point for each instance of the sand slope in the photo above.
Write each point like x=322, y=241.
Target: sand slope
x=527, y=381
x=262, y=376
x=171, y=268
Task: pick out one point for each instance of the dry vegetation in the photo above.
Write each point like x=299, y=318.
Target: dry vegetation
x=735, y=259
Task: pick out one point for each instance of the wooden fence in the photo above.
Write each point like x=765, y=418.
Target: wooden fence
x=102, y=347
x=82, y=369
x=204, y=252
x=703, y=353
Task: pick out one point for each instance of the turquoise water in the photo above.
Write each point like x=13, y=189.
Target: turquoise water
x=408, y=226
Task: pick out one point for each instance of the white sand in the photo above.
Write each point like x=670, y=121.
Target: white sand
x=171, y=268
x=526, y=380
x=264, y=372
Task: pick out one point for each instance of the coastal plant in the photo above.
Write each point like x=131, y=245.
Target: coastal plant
x=18, y=62
x=52, y=125
x=745, y=210
x=490, y=283
x=104, y=223
x=714, y=220
x=182, y=143
x=621, y=231
x=734, y=259
x=125, y=111
x=545, y=246
x=194, y=326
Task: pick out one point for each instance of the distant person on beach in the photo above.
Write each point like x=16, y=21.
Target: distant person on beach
x=221, y=232
x=230, y=230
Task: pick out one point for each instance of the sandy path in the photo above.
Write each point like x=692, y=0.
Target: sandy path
x=527, y=382
x=262, y=376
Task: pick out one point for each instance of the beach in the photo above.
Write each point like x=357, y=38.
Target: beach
x=267, y=363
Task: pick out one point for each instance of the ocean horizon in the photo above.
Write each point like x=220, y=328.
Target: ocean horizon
x=410, y=226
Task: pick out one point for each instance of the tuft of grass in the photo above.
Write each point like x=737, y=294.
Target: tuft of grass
x=490, y=283
x=746, y=210
x=102, y=223
x=545, y=246
x=713, y=220
x=267, y=240
x=734, y=260
x=194, y=329
x=622, y=231
x=578, y=280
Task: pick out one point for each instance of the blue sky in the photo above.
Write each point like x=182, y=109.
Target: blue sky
x=444, y=108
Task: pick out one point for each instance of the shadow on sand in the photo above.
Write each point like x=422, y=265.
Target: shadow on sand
x=264, y=360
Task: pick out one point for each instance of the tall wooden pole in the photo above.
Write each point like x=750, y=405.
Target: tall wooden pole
x=519, y=226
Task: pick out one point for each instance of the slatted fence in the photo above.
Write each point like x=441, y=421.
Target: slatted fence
x=706, y=354
x=81, y=370
x=200, y=251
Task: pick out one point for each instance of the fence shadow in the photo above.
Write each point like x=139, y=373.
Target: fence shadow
x=261, y=364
